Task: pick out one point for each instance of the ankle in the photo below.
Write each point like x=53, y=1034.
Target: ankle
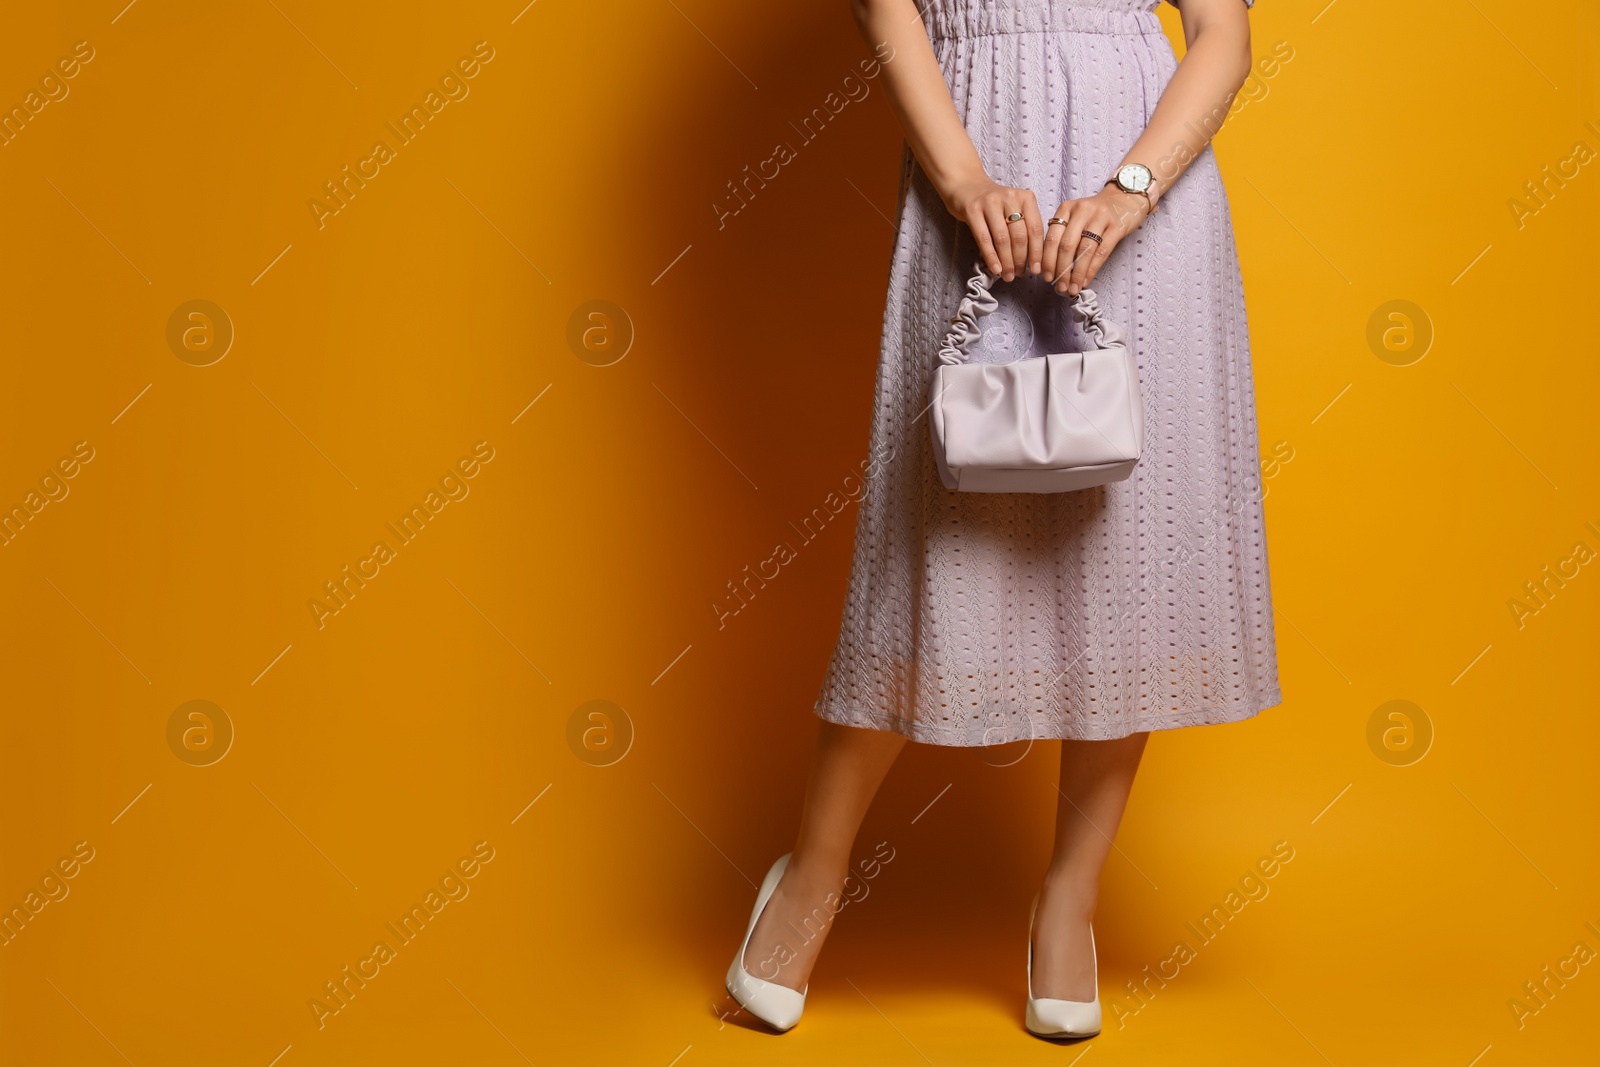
x=1062, y=892
x=817, y=873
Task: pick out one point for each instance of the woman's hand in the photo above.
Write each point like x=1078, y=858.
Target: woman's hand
x=1008, y=247
x=1071, y=259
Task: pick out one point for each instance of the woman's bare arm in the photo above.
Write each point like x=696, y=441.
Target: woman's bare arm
x=1190, y=112
x=1196, y=101
x=921, y=101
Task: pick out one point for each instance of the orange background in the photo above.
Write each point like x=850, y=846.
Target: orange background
x=371, y=354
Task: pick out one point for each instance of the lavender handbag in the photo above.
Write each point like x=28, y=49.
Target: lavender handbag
x=1045, y=424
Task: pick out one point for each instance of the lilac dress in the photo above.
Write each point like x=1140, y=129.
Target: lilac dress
x=981, y=618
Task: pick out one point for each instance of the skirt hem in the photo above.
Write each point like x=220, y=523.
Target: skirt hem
x=1107, y=730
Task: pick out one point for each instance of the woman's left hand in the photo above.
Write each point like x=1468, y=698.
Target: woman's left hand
x=1071, y=260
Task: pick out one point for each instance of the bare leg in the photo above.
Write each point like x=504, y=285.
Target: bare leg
x=846, y=771
x=1096, y=778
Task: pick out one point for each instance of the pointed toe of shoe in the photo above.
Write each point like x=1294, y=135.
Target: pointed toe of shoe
x=778, y=1006
x=1063, y=1018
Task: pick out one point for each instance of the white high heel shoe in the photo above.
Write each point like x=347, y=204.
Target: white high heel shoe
x=1062, y=1018
x=776, y=1005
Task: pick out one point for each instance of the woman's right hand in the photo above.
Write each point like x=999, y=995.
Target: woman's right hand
x=1008, y=247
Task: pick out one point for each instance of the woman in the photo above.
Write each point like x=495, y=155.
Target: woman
x=1093, y=616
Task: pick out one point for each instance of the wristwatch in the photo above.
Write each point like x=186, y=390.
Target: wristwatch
x=1136, y=178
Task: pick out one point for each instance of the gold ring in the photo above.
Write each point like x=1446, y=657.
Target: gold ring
x=1015, y=216
x=1056, y=222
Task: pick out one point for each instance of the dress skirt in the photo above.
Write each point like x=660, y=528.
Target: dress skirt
x=985, y=618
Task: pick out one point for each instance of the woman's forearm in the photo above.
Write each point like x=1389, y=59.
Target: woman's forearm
x=1197, y=98
x=917, y=93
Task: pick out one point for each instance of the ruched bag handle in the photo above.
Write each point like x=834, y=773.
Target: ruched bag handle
x=980, y=300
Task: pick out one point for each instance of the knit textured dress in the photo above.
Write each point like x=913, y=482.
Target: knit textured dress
x=983, y=618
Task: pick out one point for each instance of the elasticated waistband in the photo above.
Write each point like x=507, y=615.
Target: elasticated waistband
x=981, y=18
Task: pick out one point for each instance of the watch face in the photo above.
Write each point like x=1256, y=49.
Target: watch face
x=1135, y=177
